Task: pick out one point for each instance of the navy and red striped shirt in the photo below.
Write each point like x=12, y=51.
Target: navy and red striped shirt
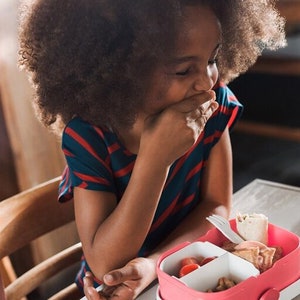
x=96, y=160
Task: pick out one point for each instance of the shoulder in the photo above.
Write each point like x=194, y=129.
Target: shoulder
x=81, y=138
x=81, y=130
x=224, y=95
x=228, y=103
x=77, y=124
x=230, y=109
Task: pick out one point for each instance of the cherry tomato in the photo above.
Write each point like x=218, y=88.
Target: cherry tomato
x=186, y=269
x=207, y=260
x=189, y=261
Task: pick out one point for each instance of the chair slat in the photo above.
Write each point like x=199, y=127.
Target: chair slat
x=33, y=278
x=26, y=217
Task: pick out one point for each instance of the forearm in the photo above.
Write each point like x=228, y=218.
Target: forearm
x=120, y=236
x=216, y=194
x=192, y=227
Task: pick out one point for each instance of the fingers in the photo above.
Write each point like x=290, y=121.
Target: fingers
x=196, y=102
x=197, y=119
x=89, y=290
x=203, y=118
x=116, y=285
x=203, y=111
x=123, y=292
x=119, y=276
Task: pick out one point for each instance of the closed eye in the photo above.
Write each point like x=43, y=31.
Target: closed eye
x=183, y=73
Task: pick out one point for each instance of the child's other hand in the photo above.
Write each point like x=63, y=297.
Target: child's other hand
x=125, y=283
x=175, y=130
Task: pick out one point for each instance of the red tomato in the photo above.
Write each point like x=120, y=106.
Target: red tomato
x=186, y=269
x=189, y=261
x=207, y=260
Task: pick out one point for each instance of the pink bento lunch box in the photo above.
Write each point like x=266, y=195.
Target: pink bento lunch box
x=250, y=283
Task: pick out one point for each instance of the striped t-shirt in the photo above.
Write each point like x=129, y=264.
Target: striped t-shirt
x=97, y=160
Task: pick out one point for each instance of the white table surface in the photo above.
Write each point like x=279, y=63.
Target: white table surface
x=279, y=202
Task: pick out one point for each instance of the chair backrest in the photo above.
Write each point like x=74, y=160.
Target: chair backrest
x=26, y=217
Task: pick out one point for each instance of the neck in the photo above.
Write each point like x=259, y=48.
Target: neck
x=130, y=138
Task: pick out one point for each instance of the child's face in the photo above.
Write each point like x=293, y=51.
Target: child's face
x=193, y=68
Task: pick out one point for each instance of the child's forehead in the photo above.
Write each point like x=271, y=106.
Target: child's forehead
x=196, y=17
x=198, y=23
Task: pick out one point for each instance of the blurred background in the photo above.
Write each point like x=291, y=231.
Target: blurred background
x=266, y=141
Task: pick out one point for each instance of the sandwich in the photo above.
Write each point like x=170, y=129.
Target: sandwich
x=253, y=227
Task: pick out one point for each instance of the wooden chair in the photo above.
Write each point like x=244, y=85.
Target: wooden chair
x=27, y=216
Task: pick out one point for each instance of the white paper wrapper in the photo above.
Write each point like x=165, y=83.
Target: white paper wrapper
x=253, y=227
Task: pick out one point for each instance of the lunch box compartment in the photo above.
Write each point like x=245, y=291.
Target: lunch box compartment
x=171, y=264
x=227, y=265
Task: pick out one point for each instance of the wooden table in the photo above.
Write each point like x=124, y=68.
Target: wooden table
x=279, y=202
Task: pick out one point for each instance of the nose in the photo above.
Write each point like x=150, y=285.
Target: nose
x=204, y=80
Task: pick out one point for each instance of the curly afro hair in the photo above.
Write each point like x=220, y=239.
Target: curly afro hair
x=94, y=58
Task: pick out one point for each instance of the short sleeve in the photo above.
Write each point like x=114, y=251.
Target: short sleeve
x=230, y=109
x=88, y=162
x=227, y=114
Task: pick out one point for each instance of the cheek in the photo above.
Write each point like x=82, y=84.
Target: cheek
x=161, y=100
x=156, y=99
x=163, y=94
x=176, y=93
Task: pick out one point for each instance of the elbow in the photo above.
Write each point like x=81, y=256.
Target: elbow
x=99, y=267
x=102, y=262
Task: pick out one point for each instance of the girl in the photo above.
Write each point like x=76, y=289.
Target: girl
x=139, y=90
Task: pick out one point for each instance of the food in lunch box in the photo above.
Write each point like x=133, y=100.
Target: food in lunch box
x=260, y=255
x=253, y=227
x=189, y=260
x=186, y=269
x=189, y=264
x=224, y=283
x=206, y=260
